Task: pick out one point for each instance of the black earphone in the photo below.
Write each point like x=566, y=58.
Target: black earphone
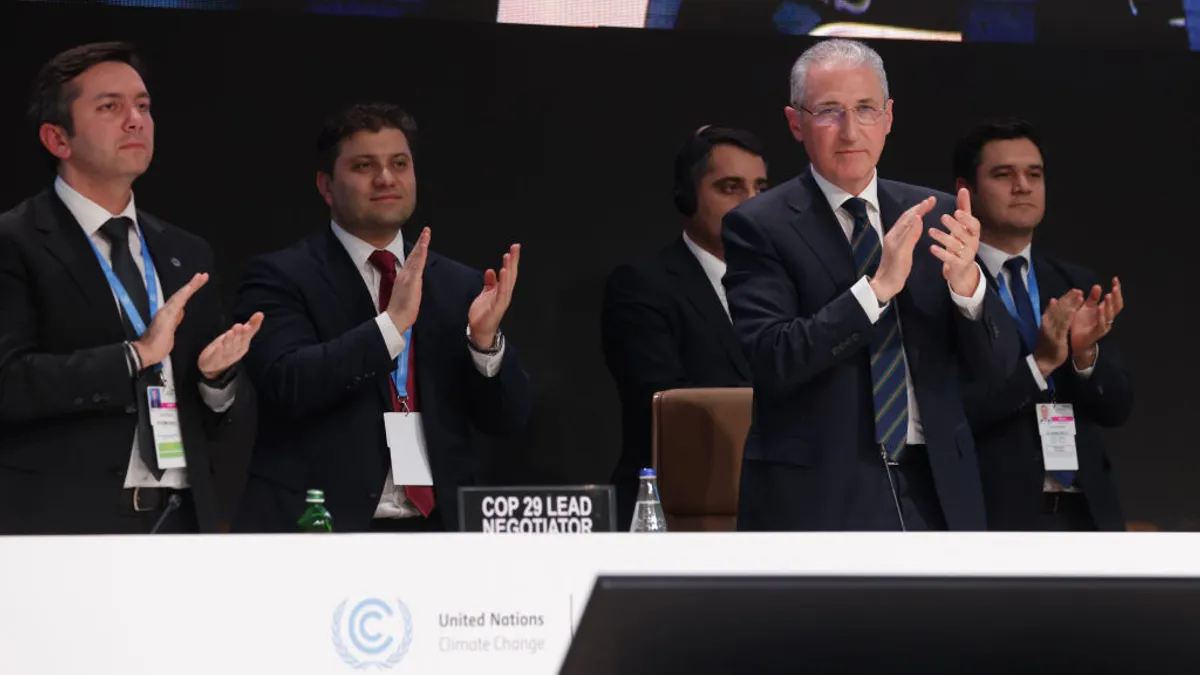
x=695, y=150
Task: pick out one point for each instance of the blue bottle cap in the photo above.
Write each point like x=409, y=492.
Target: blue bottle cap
x=647, y=472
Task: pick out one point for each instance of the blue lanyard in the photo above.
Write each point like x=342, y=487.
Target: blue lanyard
x=400, y=374
x=1035, y=299
x=118, y=289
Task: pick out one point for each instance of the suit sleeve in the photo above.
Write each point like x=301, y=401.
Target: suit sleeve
x=216, y=322
x=991, y=401
x=293, y=372
x=784, y=348
x=1106, y=396
x=639, y=345
x=35, y=385
x=990, y=347
x=500, y=406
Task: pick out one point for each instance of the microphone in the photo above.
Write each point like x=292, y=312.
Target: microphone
x=173, y=503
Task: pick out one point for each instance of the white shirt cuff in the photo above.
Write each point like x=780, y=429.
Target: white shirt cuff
x=971, y=307
x=488, y=364
x=219, y=400
x=1037, y=373
x=866, y=297
x=391, y=335
x=1087, y=372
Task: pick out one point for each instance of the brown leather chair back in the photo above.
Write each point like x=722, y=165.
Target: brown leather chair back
x=699, y=435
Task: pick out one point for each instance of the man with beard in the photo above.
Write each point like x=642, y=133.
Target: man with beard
x=363, y=324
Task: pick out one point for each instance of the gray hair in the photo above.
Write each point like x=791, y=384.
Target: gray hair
x=835, y=52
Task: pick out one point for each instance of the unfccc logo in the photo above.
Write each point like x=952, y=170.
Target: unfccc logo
x=374, y=633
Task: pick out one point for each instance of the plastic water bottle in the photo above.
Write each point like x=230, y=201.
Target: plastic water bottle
x=648, y=515
x=316, y=518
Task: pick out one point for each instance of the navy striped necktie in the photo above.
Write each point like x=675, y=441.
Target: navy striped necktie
x=889, y=390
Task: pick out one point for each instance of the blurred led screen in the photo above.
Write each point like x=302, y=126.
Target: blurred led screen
x=1137, y=23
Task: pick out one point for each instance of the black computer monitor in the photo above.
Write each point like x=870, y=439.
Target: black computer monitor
x=920, y=625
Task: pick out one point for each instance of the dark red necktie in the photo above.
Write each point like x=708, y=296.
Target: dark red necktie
x=420, y=495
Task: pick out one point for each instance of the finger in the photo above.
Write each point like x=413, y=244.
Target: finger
x=923, y=207
x=944, y=255
x=180, y=297
x=1118, y=297
x=256, y=322
x=502, y=287
x=946, y=239
x=489, y=279
x=953, y=225
x=1106, y=312
x=419, y=254
x=964, y=200
x=515, y=260
x=1094, y=296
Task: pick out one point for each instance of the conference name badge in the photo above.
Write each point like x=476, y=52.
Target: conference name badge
x=1056, y=426
x=164, y=421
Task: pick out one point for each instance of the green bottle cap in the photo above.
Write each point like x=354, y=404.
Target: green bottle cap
x=315, y=497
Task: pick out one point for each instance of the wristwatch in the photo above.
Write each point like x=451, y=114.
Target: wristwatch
x=497, y=343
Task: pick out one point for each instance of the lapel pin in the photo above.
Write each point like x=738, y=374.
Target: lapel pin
x=175, y=262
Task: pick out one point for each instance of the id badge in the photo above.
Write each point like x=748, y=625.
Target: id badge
x=406, y=441
x=1056, y=427
x=164, y=421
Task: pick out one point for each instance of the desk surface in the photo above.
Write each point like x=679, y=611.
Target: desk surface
x=438, y=603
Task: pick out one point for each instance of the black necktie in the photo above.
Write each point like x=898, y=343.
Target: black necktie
x=116, y=231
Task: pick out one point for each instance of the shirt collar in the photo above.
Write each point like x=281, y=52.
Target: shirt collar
x=713, y=266
x=360, y=251
x=994, y=259
x=90, y=215
x=837, y=196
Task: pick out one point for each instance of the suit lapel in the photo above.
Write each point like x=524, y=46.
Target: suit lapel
x=355, y=300
x=1051, y=284
x=173, y=266
x=699, y=292
x=819, y=228
x=65, y=239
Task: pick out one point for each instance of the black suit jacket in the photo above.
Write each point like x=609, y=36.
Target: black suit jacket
x=662, y=327
x=1006, y=432
x=321, y=370
x=811, y=462
x=67, y=405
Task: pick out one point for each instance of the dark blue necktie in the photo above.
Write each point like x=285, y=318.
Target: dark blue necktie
x=1028, y=325
x=1026, y=319
x=890, y=393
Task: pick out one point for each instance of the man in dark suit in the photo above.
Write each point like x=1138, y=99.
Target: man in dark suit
x=665, y=322
x=82, y=273
x=1026, y=484
x=343, y=345
x=855, y=343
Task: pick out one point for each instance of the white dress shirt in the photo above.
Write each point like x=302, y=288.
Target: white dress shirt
x=91, y=216
x=971, y=307
x=994, y=259
x=393, y=503
x=714, y=269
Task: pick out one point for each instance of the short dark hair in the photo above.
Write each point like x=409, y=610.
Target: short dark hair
x=968, y=152
x=361, y=117
x=691, y=162
x=53, y=91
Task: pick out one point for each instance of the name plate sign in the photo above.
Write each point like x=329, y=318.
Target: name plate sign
x=543, y=509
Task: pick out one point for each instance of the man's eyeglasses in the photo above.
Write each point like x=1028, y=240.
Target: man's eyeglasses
x=833, y=116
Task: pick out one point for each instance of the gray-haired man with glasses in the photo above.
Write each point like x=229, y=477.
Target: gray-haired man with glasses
x=860, y=305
